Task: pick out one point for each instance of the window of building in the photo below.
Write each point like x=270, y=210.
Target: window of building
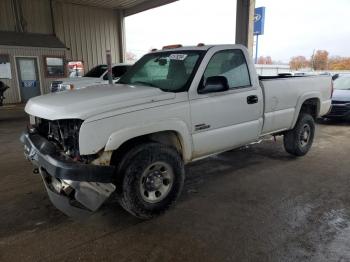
x=55, y=66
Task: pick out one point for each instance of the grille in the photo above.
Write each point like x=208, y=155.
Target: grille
x=334, y=102
x=339, y=110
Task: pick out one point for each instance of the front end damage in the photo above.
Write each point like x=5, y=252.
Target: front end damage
x=76, y=185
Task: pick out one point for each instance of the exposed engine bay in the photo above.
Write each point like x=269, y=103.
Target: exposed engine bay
x=64, y=133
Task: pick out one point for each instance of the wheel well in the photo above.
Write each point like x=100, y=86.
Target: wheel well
x=311, y=106
x=170, y=138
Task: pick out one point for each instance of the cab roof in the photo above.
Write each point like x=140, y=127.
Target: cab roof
x=190, y=48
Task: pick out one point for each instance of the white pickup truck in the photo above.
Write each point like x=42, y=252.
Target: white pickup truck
x=172, y=107
x=96, y=76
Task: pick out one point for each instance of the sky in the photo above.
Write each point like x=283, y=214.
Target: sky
x=292, y=27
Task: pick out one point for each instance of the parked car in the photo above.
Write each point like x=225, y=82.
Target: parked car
x=172, y=107
x=341, y=99
x=3, y=88
x=335, y=76
x=97, y=75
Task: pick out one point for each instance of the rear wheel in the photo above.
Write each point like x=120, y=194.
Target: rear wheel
x=298, y=141
x=152, y=179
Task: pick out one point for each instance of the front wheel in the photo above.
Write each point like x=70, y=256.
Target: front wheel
x=298, y=141
x=153, y=177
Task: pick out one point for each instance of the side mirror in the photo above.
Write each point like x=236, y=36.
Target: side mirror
x=214, y=84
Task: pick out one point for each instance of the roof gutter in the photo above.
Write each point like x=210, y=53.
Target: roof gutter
x=146, y=5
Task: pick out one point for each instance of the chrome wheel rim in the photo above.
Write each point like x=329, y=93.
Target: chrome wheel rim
x=305, y=135
x=156, y=182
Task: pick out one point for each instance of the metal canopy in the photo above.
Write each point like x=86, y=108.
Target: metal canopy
x=129, y=7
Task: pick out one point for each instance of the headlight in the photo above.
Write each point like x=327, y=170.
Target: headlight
x=54, y=86
x=32, y=120
x=63, y=87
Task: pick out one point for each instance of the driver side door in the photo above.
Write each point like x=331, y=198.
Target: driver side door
x=224, y=120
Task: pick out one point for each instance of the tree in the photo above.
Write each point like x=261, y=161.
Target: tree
x=339, y=63
x=298, y=62
x=319, y=60
x=262, y=60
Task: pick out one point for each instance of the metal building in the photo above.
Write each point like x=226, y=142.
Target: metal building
x=39, y=37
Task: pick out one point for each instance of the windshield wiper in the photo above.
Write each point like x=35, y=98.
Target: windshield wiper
x=145, y=83
x=148, y=84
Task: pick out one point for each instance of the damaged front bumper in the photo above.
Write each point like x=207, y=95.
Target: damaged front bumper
x=74, y=188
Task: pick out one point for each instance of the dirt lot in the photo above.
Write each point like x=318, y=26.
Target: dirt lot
x=251, y=204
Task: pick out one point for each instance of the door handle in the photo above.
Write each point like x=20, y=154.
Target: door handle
x=252, y=99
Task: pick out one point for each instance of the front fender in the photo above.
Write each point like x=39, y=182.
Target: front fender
x=119, y=137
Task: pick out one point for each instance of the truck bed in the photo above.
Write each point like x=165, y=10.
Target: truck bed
x=282, y=95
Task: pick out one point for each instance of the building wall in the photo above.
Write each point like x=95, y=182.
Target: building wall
x=88, y=32
x=7, y=21
x=36, y=13
x=13, y=94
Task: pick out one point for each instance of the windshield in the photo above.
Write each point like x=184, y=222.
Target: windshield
x=97, y=71
x=342, y=83
x=170, y=71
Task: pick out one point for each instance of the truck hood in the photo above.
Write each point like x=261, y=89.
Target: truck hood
x=92, y=101
x=341, y=95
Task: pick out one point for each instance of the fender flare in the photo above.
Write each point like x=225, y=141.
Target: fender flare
x=119, y=137
x=300, y=102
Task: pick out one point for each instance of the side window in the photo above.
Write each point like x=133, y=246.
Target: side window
x=54, y=66
x=117, y=72
x=232, y=65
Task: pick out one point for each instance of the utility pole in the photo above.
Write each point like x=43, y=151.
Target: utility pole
x=256, y=49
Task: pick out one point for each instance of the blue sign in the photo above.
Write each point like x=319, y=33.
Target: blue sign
x=29, y=83
x=259, y=21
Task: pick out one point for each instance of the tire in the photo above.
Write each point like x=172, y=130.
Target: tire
x=144, y=171
x=298, y=141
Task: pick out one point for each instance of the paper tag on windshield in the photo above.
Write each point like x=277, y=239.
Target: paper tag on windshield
x=180, y=57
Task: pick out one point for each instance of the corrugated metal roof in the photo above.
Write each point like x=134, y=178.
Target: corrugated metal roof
x=29, y=39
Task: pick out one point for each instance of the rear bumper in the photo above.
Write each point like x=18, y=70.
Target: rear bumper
x=74, y=188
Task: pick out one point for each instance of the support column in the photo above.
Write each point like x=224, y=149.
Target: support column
x=121, y=35
x=245, y=23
